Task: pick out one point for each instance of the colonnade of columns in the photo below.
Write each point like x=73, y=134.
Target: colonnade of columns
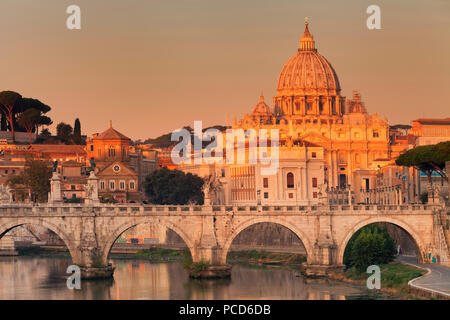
x=383, y=195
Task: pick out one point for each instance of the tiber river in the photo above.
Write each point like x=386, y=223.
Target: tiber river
x=27, y=277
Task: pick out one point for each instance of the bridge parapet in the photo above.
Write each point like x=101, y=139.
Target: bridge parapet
x=135, y=209
x=91, y=230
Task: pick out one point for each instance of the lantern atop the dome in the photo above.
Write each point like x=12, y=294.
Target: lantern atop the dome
x=307, y=40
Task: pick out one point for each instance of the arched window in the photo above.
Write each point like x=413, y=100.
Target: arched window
x=290, y=180
x=112, y=151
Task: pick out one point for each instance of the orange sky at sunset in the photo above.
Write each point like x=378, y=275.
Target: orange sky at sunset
x=154, y=66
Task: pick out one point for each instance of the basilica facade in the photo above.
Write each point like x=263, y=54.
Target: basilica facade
x=310, y=109
x=325, y=140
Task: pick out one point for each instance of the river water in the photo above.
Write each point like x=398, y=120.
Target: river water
x=45, y=278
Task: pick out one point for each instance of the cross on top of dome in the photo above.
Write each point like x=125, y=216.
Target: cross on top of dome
x=307, y=40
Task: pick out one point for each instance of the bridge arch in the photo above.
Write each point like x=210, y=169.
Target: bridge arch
x=252, y=221
x=406, y=227
x=109, y=243
x=8, y=226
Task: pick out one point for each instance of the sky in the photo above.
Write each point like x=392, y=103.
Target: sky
x=152, y=66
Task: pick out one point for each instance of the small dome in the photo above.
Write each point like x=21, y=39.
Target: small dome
x=308, y=72
x=262, y=108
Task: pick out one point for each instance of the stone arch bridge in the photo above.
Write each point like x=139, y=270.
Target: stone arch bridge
x=89, y=231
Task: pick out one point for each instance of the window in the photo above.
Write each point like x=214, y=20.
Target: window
x=14, y=171
x=6, y=171
x=102, y=185
x=266, y=182
x=111, y=151
x=341, y=134
x=72, y=187
x=375, y=134
x=92, y=147
x=131, y=185
x=313, y=155
x=112, y=185
x=357, y=158
x=122, y=185
x=315, y=195
x=290, y=180
x=266, y=195
x=223, y=173
x=356, y=134
x=291, y=195
x=314, y=182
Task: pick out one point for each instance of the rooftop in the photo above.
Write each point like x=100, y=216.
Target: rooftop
x=57, y=148
x=110, y=134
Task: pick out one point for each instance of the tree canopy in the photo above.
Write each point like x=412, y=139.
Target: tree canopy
x=166, y=186
x=165, y=141
x=368, y=246
x=35, y=177
x=64, y=132
x=29, y=119
x=77, y=132
x=8, y=102
x=13, y=105
x=428, y=159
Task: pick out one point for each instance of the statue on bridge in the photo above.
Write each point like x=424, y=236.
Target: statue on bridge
x=323, y=193
x=93, y=165
x=91, y=188
x=5, y=194
x=210, y=184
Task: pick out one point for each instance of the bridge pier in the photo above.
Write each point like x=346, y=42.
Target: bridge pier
x=94, y=273
x=207, y=264
x=323, y=260
x=92, y=265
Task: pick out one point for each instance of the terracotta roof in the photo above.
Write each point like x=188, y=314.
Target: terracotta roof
x=111, y=134
x=9, y=163
x=57, y=148
x=72, y=163
x=74, y=180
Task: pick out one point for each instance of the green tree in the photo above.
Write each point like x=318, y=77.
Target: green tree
x=35, y=176
x=26, y=104
x=3, y=125
x=428, y=159
x=77, y=131
x=64, y=132
x=29, y=119
x=46, y=133
x=9, y=101
x=370, y=245
x=166, y=186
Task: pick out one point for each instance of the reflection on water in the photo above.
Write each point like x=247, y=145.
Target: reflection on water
x=45, y=278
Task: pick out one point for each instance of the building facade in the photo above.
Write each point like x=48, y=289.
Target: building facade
x=121, y=168
x=309, y=107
